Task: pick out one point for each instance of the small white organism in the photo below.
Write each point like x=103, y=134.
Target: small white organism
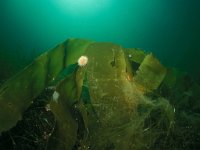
x=82, y=61
x=47, y=107
x=56, y=96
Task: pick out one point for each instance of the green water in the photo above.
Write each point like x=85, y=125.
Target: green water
x=168, y=28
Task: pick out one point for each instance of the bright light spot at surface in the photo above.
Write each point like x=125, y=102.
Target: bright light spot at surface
x=83, y=7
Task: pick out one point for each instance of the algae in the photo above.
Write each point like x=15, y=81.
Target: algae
x=17, y=93
x=122, y=99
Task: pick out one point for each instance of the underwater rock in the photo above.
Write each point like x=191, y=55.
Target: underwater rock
x=35, y=128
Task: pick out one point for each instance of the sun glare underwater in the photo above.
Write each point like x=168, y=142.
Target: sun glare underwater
x=82, y=7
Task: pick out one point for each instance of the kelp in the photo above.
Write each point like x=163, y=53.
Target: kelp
x=65, y=133
x=118, y=122
x=151, y=73
x=17, y=93
x=101, y=105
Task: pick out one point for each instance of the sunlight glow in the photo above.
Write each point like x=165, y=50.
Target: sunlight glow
x=82, y=6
